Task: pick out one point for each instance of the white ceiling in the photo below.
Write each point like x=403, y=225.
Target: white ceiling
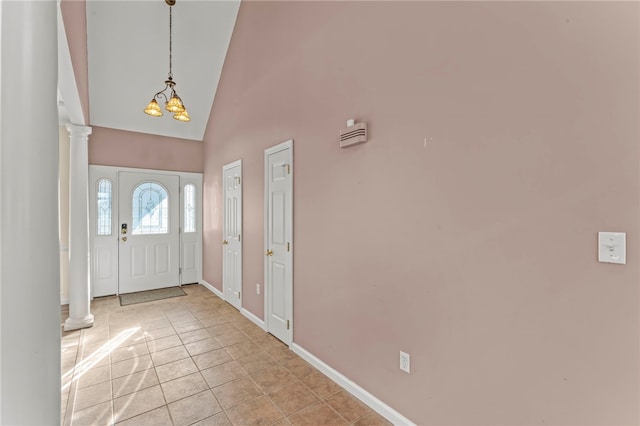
x=128, y=54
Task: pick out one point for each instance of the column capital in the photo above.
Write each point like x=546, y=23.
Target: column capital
x=78, y=131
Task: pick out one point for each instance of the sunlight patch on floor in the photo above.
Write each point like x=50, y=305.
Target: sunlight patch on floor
x=97, y=356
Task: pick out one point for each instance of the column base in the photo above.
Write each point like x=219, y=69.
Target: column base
x=78, y=323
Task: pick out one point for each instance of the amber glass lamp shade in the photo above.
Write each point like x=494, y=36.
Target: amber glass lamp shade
x=175, y=104
x=153, y=109
x=182, y=116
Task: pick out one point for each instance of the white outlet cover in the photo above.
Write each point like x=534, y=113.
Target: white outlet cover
x=612, y=247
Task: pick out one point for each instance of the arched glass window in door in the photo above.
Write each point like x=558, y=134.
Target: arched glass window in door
x=104, y=207
x=150, y=209
x=189, y=208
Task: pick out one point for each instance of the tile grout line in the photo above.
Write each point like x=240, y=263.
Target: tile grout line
x=200, y=371
x=137, y=390
x=73, y=369
x=166, y=404
x=113, y=406
x=73, y=383
x=191, y=358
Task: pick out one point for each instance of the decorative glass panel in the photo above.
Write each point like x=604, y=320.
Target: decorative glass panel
x=190, y=208
x=150, y=209
x=104, y=207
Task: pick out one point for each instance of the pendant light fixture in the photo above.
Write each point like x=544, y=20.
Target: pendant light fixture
x=173, y=103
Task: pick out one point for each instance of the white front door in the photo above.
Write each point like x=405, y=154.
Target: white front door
x=278, y=240
x=149, y=239
x=232, y=233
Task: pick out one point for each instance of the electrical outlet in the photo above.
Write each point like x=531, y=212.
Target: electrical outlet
x=405, y=362
x=257, y=288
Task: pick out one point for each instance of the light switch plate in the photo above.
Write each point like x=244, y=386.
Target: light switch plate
x=612, y=247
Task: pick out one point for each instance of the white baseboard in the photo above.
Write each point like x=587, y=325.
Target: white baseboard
x=212, y=289
x=374, y=403
x=64, y=300
x=254, y=319
x=257, y=321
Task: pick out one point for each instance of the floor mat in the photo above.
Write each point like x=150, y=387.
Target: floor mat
x=150, y=295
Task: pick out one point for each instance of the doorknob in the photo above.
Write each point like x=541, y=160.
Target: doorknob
x=124, y=238
x=269, y=252
x=225, y=242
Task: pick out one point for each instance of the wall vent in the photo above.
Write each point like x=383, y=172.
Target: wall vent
x=353, y=135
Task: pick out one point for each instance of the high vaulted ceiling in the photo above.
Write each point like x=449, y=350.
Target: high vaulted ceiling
x=128, y=60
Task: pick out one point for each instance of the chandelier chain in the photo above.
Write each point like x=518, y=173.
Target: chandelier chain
x=170, y=44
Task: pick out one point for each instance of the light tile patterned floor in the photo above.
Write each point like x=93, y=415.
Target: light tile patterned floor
x=192, y=360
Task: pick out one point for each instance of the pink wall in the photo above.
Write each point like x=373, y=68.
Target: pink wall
x=111, y=147
x=503, y=137
x=75, y=23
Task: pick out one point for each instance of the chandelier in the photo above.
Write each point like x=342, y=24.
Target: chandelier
x=173, y=103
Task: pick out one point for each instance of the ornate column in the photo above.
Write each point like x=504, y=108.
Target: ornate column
x=79, y=294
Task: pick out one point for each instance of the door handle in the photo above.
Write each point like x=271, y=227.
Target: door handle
x=225, y=242
x=269, y=252
x=124, y=238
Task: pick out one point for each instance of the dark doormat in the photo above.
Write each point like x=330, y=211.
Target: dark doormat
x=150, y=295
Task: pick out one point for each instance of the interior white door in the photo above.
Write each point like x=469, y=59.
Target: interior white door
x=149, y=240
x=278, y=240
x=191, y=235
x=232, y=234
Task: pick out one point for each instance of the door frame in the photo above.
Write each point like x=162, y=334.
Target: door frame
x=111, y=173
x=288, y=144
x=224, y=201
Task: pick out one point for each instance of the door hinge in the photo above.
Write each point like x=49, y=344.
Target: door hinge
x=287, y=324
x=288, y=169
x=180, y=271
x=239, y=295
x=288, y=246
x=238, y=177
x=238, y=237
